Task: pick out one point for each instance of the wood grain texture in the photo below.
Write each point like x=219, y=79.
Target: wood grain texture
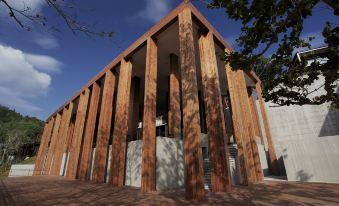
x=174, y=114
x=245, y=129
x=254, y=113
x=42, y=148
x=117, y=169
x=86, y=153
x=237, y=124
x=148, y=177
x=216, y=130
x=104, y=127
x=54, y=170
x=271, y=150
x=63, y=137
x=52, y=145
x=256, y=170
x=194, y=177
x=134, y=107
x=75, y=147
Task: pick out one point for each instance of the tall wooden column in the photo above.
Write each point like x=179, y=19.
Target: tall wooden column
x=53, y=169
x=174, y=114
x=75, y=147
x=237, y=124
x=134, y=106
x=52, y=145
x=253, y=151
x=117, y=169
x=220, y=173
x=42, y=148
x=194, y=177
x=245, y=127
x=62, y=136
x=86, y=153
x=271, y=150
x=104, y=127
x=148, y=177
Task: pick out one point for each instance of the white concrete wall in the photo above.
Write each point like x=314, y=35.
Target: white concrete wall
x=169, y=163
x=307, y=138
x=133, y=163
x=19, y=170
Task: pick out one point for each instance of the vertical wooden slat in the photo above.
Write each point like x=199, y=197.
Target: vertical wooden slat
x=42, y=148
x=174, y=114
x=117, y=169
x=245, y=126
x=52, y=145
x=148, y=124
x=271, y=150
x=104, y=126
x=134, y=106
x=220, y=174
x=89, y=132
x=53, y=169
x=237, y=124
x=62, y=141
x=75, y=147
x=194, y=178
x=256, y=170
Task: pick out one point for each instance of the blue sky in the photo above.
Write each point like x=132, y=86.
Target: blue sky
x=39, y=71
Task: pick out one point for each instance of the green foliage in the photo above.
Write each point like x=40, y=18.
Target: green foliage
x=277, y=25
x=17, y=131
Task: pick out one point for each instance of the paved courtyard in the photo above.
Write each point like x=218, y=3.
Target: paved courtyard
x=58, y=191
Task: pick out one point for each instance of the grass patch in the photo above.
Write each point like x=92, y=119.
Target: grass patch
x=30, y=160
x=4, y=170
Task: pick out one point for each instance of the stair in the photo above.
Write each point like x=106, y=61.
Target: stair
x=207, y=174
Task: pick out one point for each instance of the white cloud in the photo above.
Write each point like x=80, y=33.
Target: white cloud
x=154, y=10
x=22, y=77
x=43, y=62
x=46, y=42
x=34, y=5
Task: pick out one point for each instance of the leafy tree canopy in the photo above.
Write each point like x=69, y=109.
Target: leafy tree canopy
x=17, y=131
x=278, y=24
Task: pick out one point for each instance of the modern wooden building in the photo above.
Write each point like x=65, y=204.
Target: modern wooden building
x=170, y=83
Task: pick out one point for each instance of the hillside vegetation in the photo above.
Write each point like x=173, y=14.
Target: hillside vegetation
x=19, y=135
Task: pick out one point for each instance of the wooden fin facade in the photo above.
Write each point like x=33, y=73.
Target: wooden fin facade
x=177, y=57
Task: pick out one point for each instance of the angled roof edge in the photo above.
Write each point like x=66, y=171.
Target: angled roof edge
x=141, y=40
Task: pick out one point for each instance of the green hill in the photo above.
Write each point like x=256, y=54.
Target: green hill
x=19, y=135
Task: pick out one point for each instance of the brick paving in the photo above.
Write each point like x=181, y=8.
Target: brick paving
x=32, y=191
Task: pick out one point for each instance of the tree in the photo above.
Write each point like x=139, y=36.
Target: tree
x=65, y=10
x=277, y=24
x=18, y=133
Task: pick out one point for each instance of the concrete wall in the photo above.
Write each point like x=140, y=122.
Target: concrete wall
x=306, y=138
x=19, y=170
x=169, y=163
